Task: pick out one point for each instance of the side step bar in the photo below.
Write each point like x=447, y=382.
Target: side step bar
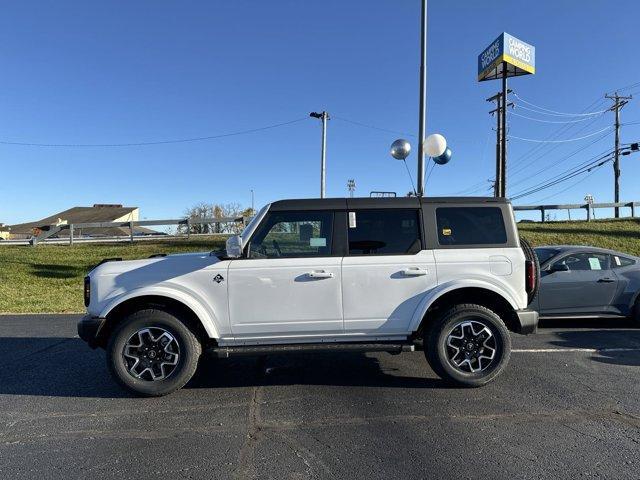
x=393, y=348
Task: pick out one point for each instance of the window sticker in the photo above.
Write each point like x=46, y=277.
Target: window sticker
x=618, y=262
x=446, y=232
x=352, y=219
x=594, y=263
x=318, y=242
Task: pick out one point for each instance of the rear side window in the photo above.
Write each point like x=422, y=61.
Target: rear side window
x=619, y=262
x=384, y=232
x=470, y=226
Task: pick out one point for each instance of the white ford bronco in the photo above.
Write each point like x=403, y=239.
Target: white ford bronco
x=447, y=275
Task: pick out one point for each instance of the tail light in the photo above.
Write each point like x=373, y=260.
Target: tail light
x=87, y=291
x=530, y=276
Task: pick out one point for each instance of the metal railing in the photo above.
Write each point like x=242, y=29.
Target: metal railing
x=588, y=207
x=51, y=233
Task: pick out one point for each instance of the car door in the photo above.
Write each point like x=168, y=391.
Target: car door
x=386, y=271
x=587, y=285
x=290, y=283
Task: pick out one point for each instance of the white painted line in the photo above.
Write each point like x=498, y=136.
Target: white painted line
x=569, y=350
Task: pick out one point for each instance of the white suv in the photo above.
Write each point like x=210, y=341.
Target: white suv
x=449, y=275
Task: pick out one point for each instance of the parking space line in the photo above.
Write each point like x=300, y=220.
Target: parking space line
x=569, y=350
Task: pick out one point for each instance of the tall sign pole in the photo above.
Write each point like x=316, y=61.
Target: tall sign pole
x=422, y=124
x=503, y=131
x=619, y=102
x=505, y=57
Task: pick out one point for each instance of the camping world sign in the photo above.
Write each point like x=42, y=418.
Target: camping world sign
x=506, y=52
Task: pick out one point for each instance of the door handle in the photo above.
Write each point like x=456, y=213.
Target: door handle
x=320, y=274
x=414, y=272
x=606, y=280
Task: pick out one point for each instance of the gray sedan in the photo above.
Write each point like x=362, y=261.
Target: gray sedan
x=578, y=281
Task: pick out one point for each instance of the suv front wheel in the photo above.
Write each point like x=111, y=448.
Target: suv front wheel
x=469, y=344
x=152, y=353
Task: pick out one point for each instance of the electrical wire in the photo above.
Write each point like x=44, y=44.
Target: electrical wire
x=560, y=141
x=373, y=127
x=539, y=148
x=555, y=162
x=540, y=200
x=159, y=142
x=556, y=113
x=548, y=121
x=551, y=183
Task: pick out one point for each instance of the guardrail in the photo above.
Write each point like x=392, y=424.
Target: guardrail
x=48, y=233
x=589, y=207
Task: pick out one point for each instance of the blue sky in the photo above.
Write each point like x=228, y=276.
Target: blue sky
x=120, y=72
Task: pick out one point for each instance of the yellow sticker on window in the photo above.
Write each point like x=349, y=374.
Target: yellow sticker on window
x=446, y=231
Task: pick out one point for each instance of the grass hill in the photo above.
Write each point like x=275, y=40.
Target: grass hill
x=48, y=278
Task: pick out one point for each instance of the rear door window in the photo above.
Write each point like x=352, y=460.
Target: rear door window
x=384, y=232
x=470, y=226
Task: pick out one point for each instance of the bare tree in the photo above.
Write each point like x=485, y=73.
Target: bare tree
x=203, y=210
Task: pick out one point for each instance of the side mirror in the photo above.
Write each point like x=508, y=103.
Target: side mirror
x=234, y=246
x=558, y=267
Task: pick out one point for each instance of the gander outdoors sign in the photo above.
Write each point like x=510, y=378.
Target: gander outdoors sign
x=518, y=57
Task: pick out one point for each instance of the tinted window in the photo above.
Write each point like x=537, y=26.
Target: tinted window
x=586, y=261
x=380, y=232
x=293, y=234
x=470, y=226
x=545, y=254
x=619, y=262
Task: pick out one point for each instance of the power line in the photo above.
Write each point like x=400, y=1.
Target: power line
x=551, y=183
x=562, y=114
x=539, y=148
x=373, y=127
x=538, y=201
x=549, y=121
x=556, y=162
x=158, y=142
x=560, y=141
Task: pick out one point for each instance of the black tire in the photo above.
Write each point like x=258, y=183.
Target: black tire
x=530, y=255
x=188, y=352
x=439, y=354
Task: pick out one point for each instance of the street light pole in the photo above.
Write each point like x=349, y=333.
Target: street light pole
x=324, y=116
x=422, y=127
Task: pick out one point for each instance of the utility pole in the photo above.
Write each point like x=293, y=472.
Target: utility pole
x=500, y=184
x=619, y=102
x=422, y=124
x=324, y=116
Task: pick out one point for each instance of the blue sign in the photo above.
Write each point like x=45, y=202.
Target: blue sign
x=506, y=52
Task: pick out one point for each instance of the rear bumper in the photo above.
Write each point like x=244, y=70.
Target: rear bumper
x=89, y=328
x=528, y=320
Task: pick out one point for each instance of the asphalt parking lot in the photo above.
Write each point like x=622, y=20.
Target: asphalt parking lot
x=567, y=406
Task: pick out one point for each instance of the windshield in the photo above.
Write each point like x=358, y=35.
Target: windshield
x=251, y=226
x=545, y=254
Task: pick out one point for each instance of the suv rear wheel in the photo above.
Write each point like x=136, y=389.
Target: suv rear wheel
x=152, y=353
x=469, y=345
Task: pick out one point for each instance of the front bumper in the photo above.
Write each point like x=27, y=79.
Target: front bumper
x=89, y=328
x=528, y=320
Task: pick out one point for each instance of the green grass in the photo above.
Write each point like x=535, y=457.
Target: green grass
x=622, y=235
x=48, y=278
